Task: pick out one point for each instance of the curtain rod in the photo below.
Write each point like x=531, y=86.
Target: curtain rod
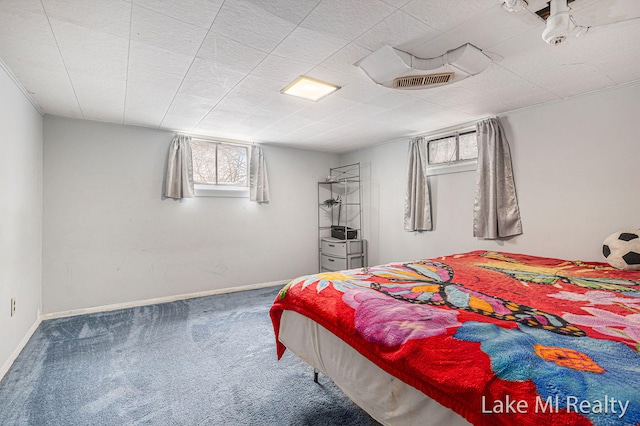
x=458, y=127
x=215, y=139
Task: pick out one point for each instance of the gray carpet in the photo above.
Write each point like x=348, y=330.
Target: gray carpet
x=205, y=361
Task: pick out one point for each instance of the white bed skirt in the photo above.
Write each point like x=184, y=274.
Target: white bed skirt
x=387, y=399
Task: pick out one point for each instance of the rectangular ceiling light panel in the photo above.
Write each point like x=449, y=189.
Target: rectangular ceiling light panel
x=309, y=88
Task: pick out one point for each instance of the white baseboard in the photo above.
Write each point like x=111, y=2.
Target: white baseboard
x=14, y=355
x=116, y=306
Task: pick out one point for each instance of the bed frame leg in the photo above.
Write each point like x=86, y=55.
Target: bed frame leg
x=315, y=375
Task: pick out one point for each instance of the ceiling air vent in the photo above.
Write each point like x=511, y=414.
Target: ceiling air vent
x=422, y=80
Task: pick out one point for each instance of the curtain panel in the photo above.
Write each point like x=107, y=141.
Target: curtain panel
x=258, y=179
x=496, y=213
x=417, y=203
x=179, y=179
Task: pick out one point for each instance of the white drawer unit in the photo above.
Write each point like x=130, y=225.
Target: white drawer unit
x=341, y=248
x=336, y=255
x=333, y=263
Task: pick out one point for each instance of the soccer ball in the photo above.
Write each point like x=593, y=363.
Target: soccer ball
x=622, y=250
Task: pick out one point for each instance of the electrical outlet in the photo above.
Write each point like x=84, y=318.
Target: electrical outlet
x=13, y=306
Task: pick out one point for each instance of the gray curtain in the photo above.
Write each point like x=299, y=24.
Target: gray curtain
x=417, y=203
x=179, y=183
x=495, y=211
x=258, y=180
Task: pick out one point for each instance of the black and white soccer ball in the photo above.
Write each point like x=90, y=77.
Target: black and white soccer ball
x=622, y=250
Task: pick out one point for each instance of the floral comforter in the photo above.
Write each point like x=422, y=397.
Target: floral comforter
x=499, y=338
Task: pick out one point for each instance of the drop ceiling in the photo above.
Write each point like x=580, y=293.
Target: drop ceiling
x=216, y=67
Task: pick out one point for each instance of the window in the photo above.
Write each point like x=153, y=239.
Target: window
x=453, y=148
x=452, y=153
x=220, y=167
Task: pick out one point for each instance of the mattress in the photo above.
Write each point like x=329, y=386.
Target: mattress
x=387, y=399
x=497, y=338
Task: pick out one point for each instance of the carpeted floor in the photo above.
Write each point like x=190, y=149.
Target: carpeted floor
x=205, y=361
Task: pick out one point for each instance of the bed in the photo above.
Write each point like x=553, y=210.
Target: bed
x=481, y=337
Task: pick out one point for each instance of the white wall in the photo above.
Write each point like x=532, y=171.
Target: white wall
x=110, y=237
x=20, y=217
x=576, y=171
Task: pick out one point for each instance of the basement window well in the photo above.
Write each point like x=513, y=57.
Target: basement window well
x=220, y=169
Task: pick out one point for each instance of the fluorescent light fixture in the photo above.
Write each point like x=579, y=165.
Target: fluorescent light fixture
x=309, y=88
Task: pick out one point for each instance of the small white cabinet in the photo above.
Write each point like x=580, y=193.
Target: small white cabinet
x=336, y=255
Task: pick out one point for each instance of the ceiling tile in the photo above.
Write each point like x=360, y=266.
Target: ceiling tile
x=42, y=74
x=444, y=15
x=25, y=24
x=344, y=60
x=207, y=81
x=248, y=23
x=226, y=53
x=261, y=119
x=347, y=19
x=104, y=101
x=186, y=111
x=304, y=133
x=446, y=96
x=592, y=13
x=540, y=97
x=278, y=130
x=283, y=106
x=109, y=16
x=361, y=91
x=26, y=5
x=621, y=66
x=219, y=118
x=488, y=29
x=327, y=107
x=478, y=108
x=280, y=69
x=158, y=58
x=397, y=30
x=549, y=67
x=333, y=77
x=498, y=82
x=253, y=92
x=608, y=40
x=309, y=46
x=154, y=29
x=396, y=3
x=90, y=44
x=293, y=11
x=358, y=112
x=200, y=13
x=581, y=85
x=149, y=95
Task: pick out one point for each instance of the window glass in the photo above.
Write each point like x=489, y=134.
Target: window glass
x=442, y=150
x=204, y=162
x=453, y=148
x=232, y=165
x=468, y=146
x=217, y=163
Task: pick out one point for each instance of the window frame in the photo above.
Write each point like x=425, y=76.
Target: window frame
x=456, y=165
x=222, y=190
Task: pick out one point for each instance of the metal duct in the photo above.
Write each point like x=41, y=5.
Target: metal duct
x=387, y=64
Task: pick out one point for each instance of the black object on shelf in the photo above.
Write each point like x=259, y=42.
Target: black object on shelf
x=339, y=232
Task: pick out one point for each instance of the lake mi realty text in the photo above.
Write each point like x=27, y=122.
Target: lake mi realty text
x=555, y=404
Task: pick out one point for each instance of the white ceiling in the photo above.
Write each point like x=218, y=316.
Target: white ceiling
x=216, y=67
